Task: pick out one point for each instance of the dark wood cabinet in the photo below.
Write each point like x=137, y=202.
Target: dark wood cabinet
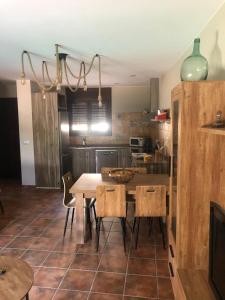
x=84, y=159
x=46, y=140
x=51, y=139
x=125, y=158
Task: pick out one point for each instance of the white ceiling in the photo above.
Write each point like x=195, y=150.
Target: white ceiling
x=141, y=37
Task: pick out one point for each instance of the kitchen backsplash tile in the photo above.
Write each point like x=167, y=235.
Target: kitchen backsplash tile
x=129, y=124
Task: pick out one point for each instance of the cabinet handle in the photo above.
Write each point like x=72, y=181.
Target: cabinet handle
x=150, y=191
x=171, y=269
x=110, y=190
x=171, y=250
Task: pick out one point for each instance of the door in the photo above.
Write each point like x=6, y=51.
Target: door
x=9, y=133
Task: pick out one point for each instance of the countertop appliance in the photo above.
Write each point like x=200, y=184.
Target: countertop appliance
x=141, y=142
x=106, y=158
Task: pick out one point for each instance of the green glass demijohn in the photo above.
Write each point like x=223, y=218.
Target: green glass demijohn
x=195, y=66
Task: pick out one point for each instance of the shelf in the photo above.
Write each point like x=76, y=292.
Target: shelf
x=160, y=121
x=212, y=130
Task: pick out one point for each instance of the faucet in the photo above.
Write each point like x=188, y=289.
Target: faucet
x=84, y=141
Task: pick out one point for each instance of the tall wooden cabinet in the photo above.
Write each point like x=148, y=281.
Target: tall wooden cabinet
x=197, y=174
x=50, y=139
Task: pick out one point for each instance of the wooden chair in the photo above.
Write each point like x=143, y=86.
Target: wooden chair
x=111, y=202
x=150, y=202
x=129, y=198
x=70, y=202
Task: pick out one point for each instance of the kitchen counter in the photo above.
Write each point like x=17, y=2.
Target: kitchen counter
x=110, y=146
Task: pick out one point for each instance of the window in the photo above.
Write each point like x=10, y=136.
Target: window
x=86, y=118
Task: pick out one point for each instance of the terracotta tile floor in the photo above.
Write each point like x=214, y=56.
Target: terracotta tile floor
x=32, y=229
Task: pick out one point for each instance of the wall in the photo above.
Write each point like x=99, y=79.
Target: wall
x=124, y=125
x=130, y=98
x=8, y=89
x=128, y=117
x=212, y=47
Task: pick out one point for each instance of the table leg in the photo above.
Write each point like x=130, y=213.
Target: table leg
x=80, y=225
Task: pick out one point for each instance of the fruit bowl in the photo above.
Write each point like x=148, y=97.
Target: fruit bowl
x=121, y=175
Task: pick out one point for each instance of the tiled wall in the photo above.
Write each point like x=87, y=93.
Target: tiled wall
x=129, y=124
x=164, y=136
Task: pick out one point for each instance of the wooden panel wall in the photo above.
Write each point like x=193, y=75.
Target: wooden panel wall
x=201, y=174
x=46, y=140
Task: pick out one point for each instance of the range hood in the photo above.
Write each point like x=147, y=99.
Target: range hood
x=154, y=94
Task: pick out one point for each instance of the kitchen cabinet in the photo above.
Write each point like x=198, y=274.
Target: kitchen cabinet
x=84, y=158
x=51, y=139
x=125, y=158
x=80, y=164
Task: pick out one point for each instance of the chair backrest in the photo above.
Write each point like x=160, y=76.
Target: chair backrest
x=150, y=201
x=111, y=201
x=67, y=183
x=105, y=170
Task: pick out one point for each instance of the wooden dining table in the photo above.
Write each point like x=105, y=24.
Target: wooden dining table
x=85, y=187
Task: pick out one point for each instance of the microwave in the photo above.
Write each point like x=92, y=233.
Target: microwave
x=143, y=142
x=137, y=141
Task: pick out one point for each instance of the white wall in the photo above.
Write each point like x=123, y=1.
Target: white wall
x=212, y=47
x=26, y=132
x=130, y=98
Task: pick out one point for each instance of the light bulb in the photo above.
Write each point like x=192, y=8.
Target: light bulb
x=43, y=95
x=85, y=86
x=99, y=104
x=58, y=87
x=22, y=78
x=99, y=101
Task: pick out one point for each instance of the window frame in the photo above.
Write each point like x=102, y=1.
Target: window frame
x=90, y=96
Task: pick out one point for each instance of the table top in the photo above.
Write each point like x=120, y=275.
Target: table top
x=87, y=183
x=16, y=282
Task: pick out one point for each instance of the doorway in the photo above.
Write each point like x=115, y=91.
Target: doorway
x=10, y=167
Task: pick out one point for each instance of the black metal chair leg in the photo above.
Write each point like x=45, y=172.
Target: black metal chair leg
x=2, y=207
x=94, y=210
x=27, y=296
x=98, y=227
x=163, y=233
x=160, y=225
x=89, y=220
x=72, y=217
x=138, y=225
x=150, y=226
x=123, y=226
x=134, y=224
x=67, y=216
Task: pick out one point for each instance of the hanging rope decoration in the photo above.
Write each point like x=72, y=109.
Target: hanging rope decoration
x=48, y=84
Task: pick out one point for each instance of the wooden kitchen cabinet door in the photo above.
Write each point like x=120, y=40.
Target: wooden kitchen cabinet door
x=46, y=140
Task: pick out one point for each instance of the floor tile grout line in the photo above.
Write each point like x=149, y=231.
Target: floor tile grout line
x=90, y=291
x=156, y=270
x=66, y=272
x=128, y=258
x=61, y=281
